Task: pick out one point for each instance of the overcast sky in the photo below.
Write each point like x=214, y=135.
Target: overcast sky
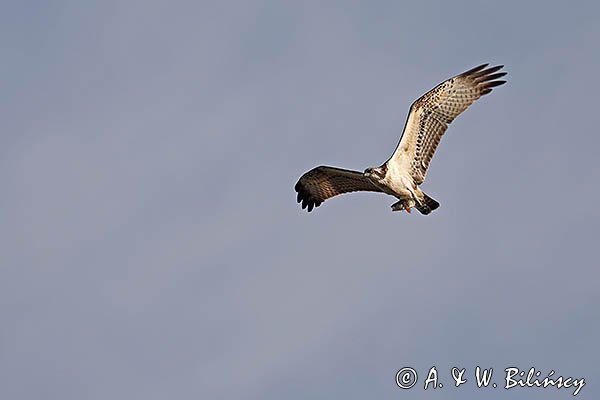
x=152, y=247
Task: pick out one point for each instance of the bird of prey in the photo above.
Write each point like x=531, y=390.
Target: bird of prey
x=401, y=175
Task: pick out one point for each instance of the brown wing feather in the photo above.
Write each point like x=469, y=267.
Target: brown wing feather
x=430, y=115
x=322, y=183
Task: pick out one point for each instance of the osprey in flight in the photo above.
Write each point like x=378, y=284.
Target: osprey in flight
x=401, y=175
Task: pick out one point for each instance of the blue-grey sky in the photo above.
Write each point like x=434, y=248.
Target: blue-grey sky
x=152, y=247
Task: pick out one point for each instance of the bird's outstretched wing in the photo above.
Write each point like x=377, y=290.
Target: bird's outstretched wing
x=322, y=183
x=430, y=115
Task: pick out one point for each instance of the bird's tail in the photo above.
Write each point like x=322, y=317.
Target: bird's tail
x=427, y=206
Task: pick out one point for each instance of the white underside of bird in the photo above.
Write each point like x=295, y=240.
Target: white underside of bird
x=398, y=182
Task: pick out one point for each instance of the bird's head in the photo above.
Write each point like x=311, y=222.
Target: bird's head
x=375, y=173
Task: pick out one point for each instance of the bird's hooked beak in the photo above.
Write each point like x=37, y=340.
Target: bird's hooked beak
x=368, y=172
